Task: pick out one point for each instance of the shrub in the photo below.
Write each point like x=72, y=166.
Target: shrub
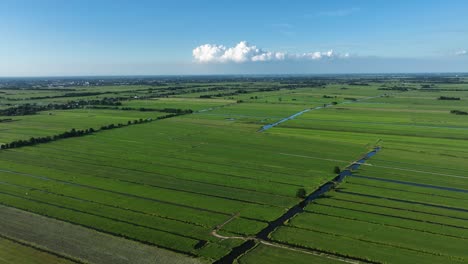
x=301, y=193
x=337, y=170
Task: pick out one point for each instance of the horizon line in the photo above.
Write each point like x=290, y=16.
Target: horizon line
x=228, y=74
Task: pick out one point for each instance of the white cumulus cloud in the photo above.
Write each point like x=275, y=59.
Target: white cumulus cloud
x=461, y=53
x=244, y=52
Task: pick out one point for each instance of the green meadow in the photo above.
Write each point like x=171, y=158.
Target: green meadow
x=203, y=182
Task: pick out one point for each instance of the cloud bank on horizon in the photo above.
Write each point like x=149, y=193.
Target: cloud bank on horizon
x=244, y=52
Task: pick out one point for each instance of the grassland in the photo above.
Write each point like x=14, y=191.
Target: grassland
x=407, y=205
x=170, y=182
x=12, y=252
x=213, y=178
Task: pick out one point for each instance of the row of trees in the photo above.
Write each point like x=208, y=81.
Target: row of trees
x=37, y=140
x=165, y=110
x=31, y=109
x=458, y=112
x=448, y=98
x=394, y=88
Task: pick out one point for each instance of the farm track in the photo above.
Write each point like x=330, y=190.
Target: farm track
x=309, y=251
x=405, y=201
x=382, y=133
x=406, y=191
x=371, y=241
x=249, y=239
x=414, y=184
x=419, y=171
x=385, y=123
x=310, y=157
x=398, y=208
x=391, y=216
x=418, y=165
x=299, y=208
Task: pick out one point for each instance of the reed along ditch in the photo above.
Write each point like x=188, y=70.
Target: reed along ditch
x=298, y=208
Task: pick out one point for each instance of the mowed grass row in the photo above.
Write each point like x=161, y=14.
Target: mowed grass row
x=426, y=198
x=354, y=200
x=442, y=195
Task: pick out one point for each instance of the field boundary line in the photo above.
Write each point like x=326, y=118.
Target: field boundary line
x=310, y=252
x=418, y=171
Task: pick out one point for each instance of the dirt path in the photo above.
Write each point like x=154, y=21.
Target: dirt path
x=264, y=235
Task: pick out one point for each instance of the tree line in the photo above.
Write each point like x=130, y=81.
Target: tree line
x=458, y=112
x=77, y=133
x=448, y=98
x=31, y=109
x=164, y=110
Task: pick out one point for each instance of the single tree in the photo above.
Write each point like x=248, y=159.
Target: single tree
x=301, y=193
x=337, y=170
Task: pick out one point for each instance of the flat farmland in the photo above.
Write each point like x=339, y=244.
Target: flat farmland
x=372, y=172
x=406, y=204
x=181, y=179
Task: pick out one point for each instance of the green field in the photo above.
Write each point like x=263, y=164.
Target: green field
x=171, y=183
x=11, y=252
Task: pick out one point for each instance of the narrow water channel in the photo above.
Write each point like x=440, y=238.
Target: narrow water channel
x=298, y=208
x=266, y=127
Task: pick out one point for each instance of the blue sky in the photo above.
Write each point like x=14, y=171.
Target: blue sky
x=43, y=38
